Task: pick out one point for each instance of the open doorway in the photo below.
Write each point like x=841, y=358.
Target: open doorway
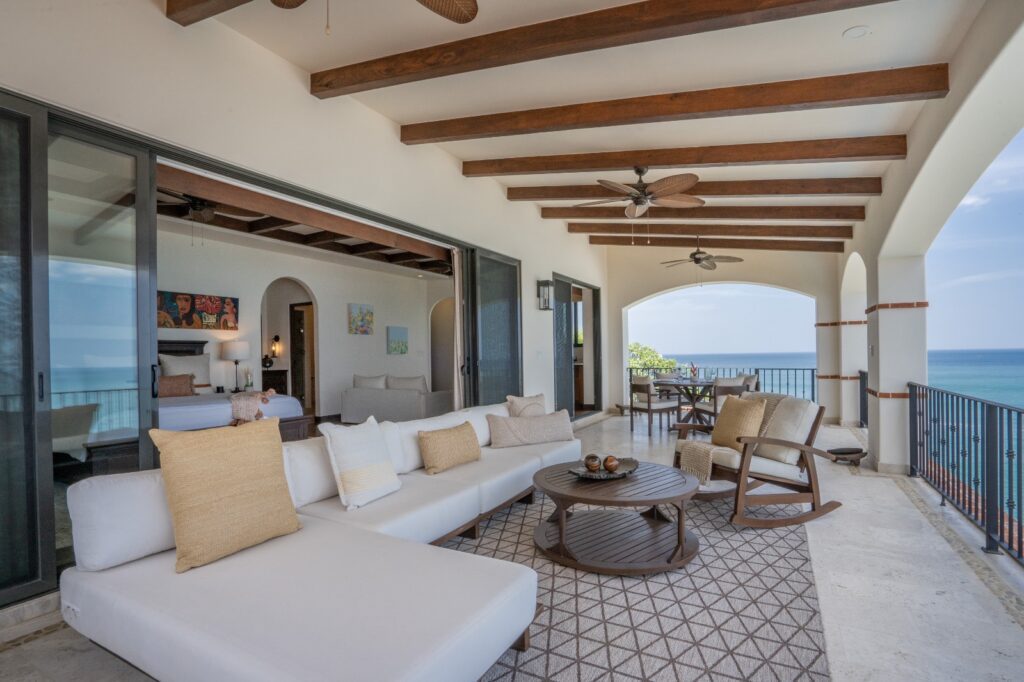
x=289, y=341
x=577, y=332
x=442, y=345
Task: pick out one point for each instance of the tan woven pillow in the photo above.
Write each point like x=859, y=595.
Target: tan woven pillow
x=175, y=386
x=226, y=489
x=529, y=406
x=446, y=448
x=738, y=418
x=508, y=432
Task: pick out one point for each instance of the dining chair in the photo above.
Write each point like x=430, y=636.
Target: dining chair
x=643, y=398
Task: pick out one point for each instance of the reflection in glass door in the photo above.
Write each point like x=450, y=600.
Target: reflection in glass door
x=498, y=370
x=94, y=229
x=26, y=519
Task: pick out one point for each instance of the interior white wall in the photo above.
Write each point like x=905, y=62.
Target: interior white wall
x=234, y=265
x=209, y=89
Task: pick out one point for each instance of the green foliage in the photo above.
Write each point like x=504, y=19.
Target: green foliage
x=642, y=357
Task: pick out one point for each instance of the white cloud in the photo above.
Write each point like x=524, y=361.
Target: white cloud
x=974, y=200
x=980, y=278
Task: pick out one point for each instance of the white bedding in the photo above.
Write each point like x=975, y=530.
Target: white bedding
x=192, y=412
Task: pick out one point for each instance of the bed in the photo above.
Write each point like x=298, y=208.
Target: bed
x=212, y=410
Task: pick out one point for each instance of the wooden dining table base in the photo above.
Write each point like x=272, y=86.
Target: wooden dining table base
x=617, y=541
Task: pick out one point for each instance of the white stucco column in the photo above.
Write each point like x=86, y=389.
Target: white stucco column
x=898, y=353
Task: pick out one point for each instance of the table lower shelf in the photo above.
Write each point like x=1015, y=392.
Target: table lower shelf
x=617, y=542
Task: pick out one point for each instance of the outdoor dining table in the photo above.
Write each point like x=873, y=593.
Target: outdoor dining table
x=690, y=393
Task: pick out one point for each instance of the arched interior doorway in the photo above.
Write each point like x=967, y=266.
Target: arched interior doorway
x=442, y=345
x=853, y=341
x=288, y=332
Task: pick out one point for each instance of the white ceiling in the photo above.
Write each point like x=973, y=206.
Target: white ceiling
x=903, y=33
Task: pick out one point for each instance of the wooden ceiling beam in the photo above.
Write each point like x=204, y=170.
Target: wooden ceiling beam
x=870, y=87
x=211, y=189
x=711, y=213
x=188, y=12
x=403, y=257
x=714, y=188
x=368, y=247
x=324, y=237
x=623, y=25
x=882, y=147
x=745, y=244
x=262, y=225
x=786, y=231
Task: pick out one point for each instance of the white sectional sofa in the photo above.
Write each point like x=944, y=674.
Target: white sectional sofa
x=353, y=595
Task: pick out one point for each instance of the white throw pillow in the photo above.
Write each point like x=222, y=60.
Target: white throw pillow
x=196, y=365
x=359, y=458
x=408, y=383
x=529, y=406
x=368, y=382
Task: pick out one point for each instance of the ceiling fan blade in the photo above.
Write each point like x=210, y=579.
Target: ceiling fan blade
x=616, y=187
x=677, y=262
x=635, y=210
x=601, y=201
x=707, y=264
x=727, y=259
x=459, y=11
x=287, y=4
x=678, y=201
x=673, y=184
x=672, y=265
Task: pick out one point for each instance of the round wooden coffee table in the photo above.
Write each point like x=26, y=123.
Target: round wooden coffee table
x=617, y=541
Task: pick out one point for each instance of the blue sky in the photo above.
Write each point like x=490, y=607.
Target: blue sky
x=975, y=286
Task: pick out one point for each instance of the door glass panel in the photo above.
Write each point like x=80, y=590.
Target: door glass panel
x=497, y=330
x=18, y=533
x=93, y=306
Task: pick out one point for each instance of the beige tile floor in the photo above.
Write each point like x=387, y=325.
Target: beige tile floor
x=905, y=592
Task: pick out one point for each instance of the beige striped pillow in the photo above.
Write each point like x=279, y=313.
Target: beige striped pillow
x=359, y=458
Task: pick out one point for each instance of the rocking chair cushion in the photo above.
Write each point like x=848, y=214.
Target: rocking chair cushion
x=697, y=456
x=730, y=459
x=785, y=418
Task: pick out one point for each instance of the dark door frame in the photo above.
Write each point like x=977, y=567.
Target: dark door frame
x=598, y=346
x=291, y=353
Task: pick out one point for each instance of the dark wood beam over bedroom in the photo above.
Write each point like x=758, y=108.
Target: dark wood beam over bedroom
x=188, y=12
x=845, y=213
x=712, y=188
x=877, y=148
x=637, y=22
x=871, y=87
x=745, y=244
x=640, y=229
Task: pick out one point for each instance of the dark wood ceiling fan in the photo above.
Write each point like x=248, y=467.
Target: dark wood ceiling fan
x=459, y=11
x=668, y=191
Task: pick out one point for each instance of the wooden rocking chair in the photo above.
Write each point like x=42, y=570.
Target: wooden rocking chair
x=748, y=471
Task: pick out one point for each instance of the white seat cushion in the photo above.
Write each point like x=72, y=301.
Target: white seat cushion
x=551, y=453
x=500, y=475
x=328, y=602
x=424, y=509
x=730, y=459
x=640, y=402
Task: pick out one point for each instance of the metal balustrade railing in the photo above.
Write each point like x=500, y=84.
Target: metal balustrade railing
x=796, y=381
x=968, y=449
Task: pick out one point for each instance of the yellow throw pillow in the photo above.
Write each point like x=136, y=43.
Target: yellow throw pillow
x=226, y=489
x=446, y=448
x=737, y=418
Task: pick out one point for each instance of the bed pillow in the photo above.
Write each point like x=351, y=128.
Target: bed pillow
x=508, y=432
x=408, y=383
x=196, y=365
x=359, y=458
x=529, y=406
x=226, y=489
x=368, y=382
x=447, y=448
x=175, y=386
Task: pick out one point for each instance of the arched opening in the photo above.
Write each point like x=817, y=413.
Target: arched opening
x=442, y=345
x=289, y=349
x=853, y=341
x=728, y=328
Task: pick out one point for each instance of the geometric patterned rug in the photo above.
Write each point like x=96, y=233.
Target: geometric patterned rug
x=744, y=609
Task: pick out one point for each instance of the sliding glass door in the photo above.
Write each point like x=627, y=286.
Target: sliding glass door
x=565, y=397
x=26, y=515
x=496, y=371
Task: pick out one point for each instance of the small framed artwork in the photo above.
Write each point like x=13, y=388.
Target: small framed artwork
x=398, y=340
x=360, y=319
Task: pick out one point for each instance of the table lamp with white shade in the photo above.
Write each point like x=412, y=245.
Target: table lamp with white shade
x=235, y=351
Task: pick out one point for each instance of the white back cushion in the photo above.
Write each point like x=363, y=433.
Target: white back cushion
x=119, y=518
x=368, y=382
x=307, y=467
x=408, y=383
x=405, y=437
x=196, y=365
x=477, y=416
x=785, y=418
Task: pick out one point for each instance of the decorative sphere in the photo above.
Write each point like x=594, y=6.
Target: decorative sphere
x=592, y=462
x=611, y=464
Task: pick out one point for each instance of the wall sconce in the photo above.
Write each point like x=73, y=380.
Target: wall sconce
x=275, y=346
x=546, y=294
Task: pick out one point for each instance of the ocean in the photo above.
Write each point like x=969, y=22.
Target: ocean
x=996, y=375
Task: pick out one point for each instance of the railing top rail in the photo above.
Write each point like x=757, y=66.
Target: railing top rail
x=974, y=398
